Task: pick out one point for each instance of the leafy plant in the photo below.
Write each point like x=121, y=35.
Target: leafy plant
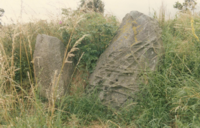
x=101, y=30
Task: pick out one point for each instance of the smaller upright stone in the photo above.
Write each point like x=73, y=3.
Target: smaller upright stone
x=48, y=59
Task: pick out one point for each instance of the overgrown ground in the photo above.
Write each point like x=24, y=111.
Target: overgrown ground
x=170, y=96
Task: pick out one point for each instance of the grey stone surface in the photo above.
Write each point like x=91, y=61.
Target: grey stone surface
x=48, y=59
x=134, y=49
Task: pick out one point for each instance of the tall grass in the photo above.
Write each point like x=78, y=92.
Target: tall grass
x=169, y=97
x=21, y=105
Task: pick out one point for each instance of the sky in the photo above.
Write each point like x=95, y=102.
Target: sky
x=27, y=10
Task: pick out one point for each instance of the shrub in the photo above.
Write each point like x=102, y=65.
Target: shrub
x=101, y=30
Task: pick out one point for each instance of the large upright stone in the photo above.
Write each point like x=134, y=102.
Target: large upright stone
x=134, y=49
x=48, y=59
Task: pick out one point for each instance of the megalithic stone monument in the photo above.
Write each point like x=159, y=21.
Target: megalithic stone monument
x=135, y=49
x=48, y=60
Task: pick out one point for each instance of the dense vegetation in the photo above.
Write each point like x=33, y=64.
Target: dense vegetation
x=170, y=96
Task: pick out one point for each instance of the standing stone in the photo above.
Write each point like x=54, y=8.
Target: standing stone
x=48, y=59
x=135, y=49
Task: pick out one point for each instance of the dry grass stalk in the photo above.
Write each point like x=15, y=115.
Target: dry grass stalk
x=162, y=14
x=73, y=49
x=6, y=99
x=76, y=68
x=77, y=20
